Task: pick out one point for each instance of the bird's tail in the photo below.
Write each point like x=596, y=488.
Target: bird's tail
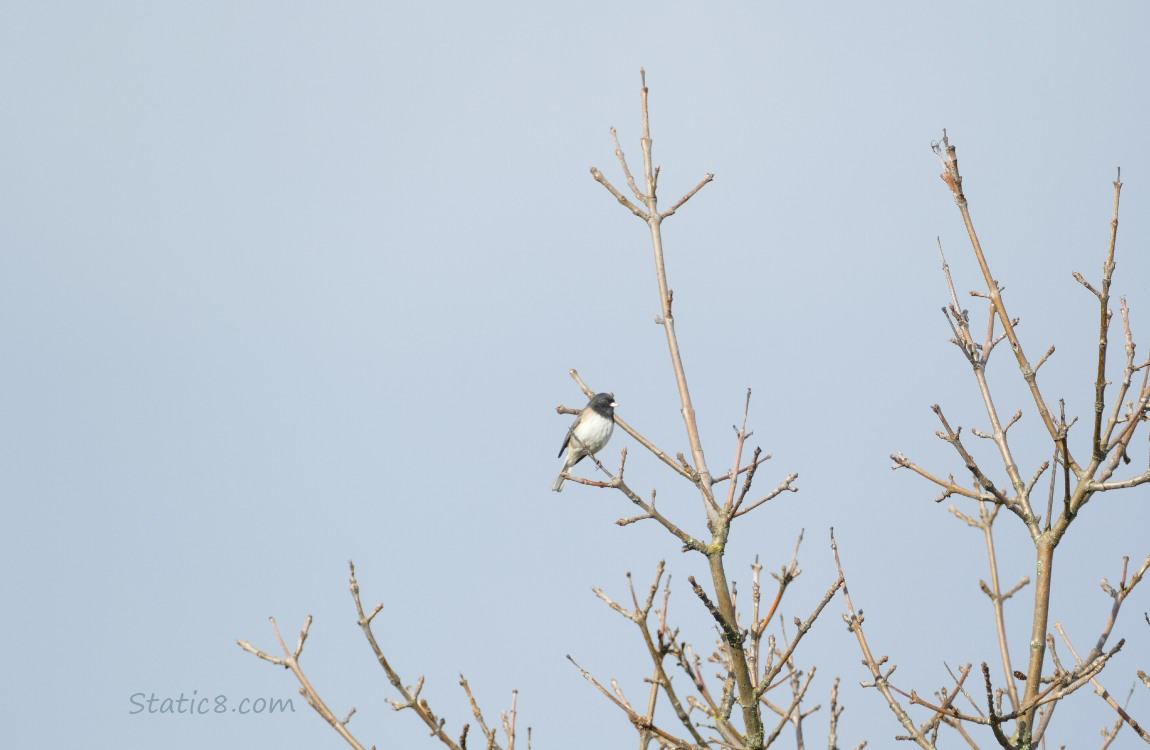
x=559, y=480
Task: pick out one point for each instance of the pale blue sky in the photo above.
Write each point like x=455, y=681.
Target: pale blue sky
x=288, y=284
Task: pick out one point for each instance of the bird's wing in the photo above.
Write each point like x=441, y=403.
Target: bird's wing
x=567, y=437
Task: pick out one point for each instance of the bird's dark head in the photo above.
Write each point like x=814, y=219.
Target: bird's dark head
x=604, y=403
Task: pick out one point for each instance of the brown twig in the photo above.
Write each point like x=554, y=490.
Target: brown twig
x=657, y=651
x=290, y=660
x=948, y=154
x=410, y=695
x=637, y=719
x=854, y=621
x=1103, y=296
x=1100, y=690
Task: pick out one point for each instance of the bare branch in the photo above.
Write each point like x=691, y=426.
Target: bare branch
x=290, y=660
x=1103, y=327
x=688, y=196
x=854, y=621
x=1098, y=688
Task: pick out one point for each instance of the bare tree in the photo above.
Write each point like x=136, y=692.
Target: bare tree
x=750, y=668
x=758, y=690
x=1018, y=710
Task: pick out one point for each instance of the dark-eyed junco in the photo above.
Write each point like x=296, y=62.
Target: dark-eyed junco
x=588, y=434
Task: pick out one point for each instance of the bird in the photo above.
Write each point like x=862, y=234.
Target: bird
x=589, y=433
